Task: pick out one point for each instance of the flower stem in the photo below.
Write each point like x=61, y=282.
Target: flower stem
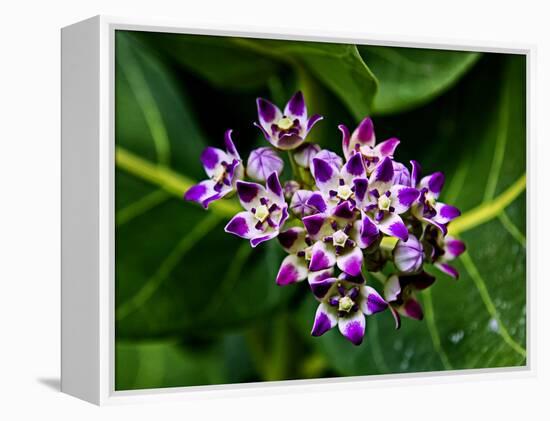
x=295, y=170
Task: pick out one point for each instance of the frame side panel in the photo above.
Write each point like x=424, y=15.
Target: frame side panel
x=80, y=53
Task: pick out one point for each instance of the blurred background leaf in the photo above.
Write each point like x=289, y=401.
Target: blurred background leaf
x=410, y=77
x=205, y=306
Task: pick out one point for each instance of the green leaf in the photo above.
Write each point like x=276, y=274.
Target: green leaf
x=409, y=77
x=176, y=269
x=338, y=66
x=166, y=364
x=218, y=60
x=479, y=320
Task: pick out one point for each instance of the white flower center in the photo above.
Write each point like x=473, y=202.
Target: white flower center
x=261, y=213
x=285, y=123
x=339, y=238
x=345, y=304
x=384, y=202
x=219, y=173
x=344, y=192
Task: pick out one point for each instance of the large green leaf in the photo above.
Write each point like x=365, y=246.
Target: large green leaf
x=338, y=66
x=219, y=60
x=176, y=269
x=245, y=63
x=478, y=321
x=410, y=77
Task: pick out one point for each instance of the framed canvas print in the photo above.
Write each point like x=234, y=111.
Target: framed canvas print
x=243, y=210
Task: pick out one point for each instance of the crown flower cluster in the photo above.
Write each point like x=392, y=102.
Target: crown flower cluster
x=338, y=219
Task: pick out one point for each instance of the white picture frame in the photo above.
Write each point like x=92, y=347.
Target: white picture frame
x=88, y=214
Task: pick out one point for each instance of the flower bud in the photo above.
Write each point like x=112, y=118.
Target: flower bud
x=408, y=255
x=262, y=162
x=305, y=153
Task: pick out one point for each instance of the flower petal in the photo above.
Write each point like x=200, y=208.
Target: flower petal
x=368, y=231
x=268, y=113
x=317, y=225
x=322, y=256
x=345, y=211
x=394, y=226
x=287, y=141
x=330, y=157
x=296, y=108
x=447, y=269
x=371, y=302
x=274, y=189
x=445, y=213
x=402, y=198
x=354, y=168
x=320, y=282
x=392, y=288
x=434, y=182
x=250, y=194
x=412, y=308
x=317, y=201
x=204, y=193
x=314, y=119
x=211, y=158
x=230, y=146
x=350, y=261
x=293, y=269
x=293, y=240
x=262, y=237
x=419, y=281
x=326, y=175
x=364, y=133
x=386, y=148
x=401, y=175
x=262, y=162
x=305, y=154
x=346, y=146
x=415, y=173
x=361, y=186
x=453, y=248
x=242, y=225
x=382, y=176
x=325, y=319
x=353, y=327
x=396, y=317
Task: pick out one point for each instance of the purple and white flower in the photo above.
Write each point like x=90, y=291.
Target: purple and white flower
x=428, y=209
x=223, y=168
x=400, y=293
x=295, y=267
x=345, y=301
x=382, y=202
x=442, y=250
x=408, y=256
x=336, y=185
x=338, y=239
x=285, y=130
x=262, y=162
x=266, y=211
x=363, y=140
